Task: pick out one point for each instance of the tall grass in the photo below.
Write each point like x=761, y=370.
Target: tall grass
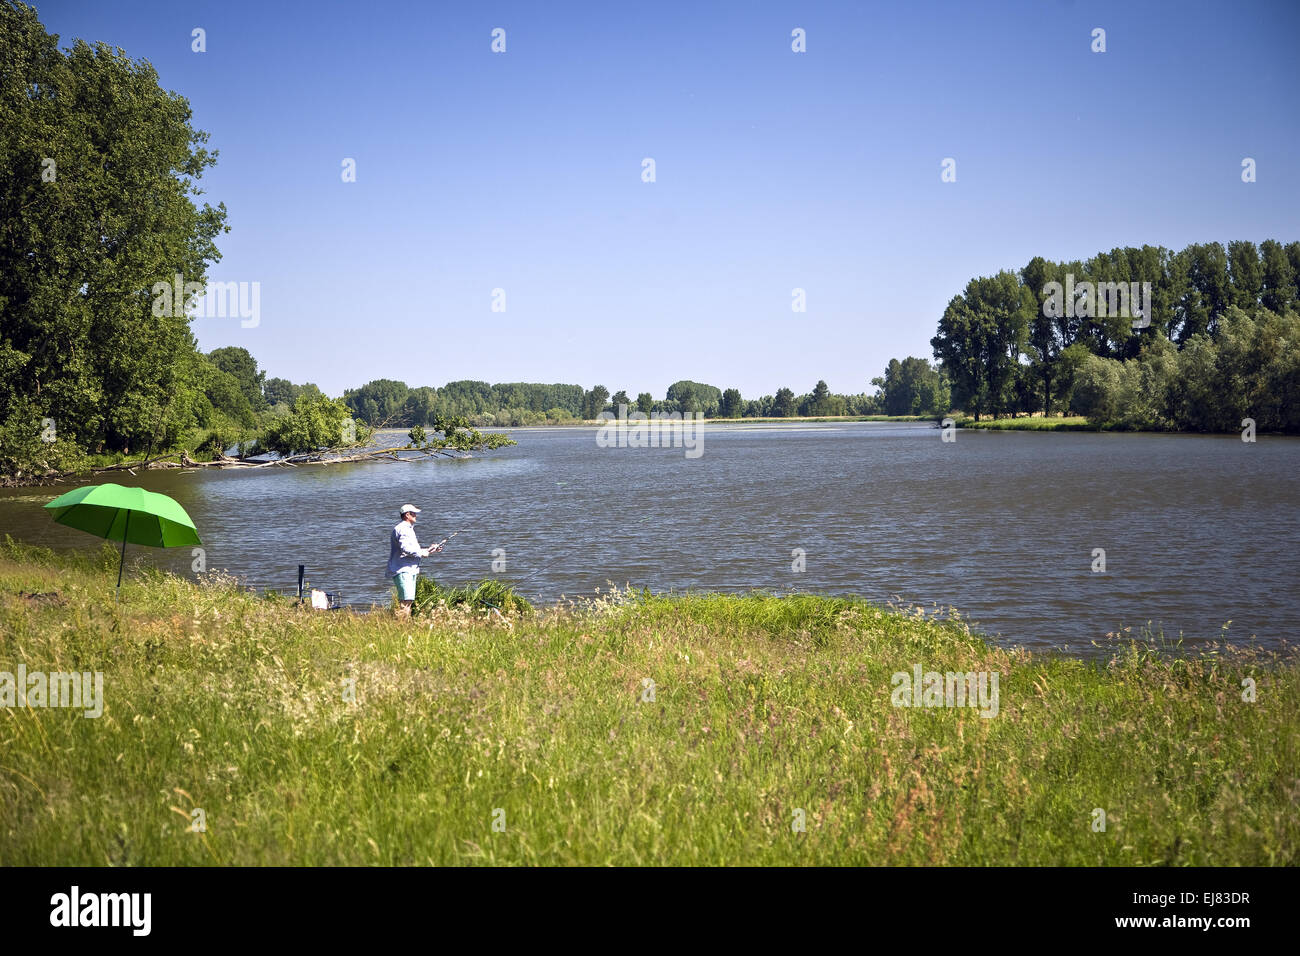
x=631, y=729
x=1031, y=424
x=488, y=596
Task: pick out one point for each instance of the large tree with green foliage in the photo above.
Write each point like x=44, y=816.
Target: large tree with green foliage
x=694, y=397
x=316, y=422
x=380, y=402
x=980, y=339
x=593, y=402
x=731, y=404
x=240, y=364
x=279, y=391
x=1279, y=280
x=98, y=173
x=912, y=387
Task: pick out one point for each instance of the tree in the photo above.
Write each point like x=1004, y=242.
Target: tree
x=783, y=404
x=818, y=402
x=421, y=405
x=645, y=403
x=225, y=396
x=593, y=402
x=980, y=339
x=1049, y=333
x=695, y=396
x=315, y=423
x=382, y=400
x=1206, y=295
x=1279, y=281
x=1247, y=275
x=1293, y=257
x=279, y=391
x=731, y=405
x=459, y=435
x=911, y=387
x=240, y=364
x=619, y=398
x=84, y=241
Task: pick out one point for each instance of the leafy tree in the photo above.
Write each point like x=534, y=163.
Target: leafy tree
x=1293, y=257
x=818, y=403
x=383, y=400
x=864, y=404
x=683, y=393
x=1072, y=359
x=458, y=435
x=242, y=367
x=619, y=398
x=226, y=397
x=694, y=396
x=1207, y=293
x=536, y=397
x=421, y=405
x=1279, y=280
x=1049, y=333
x=24, y=449
x=315, y=423
x=783, y=405
x=466, y=398
x=83, y=242
x=980, y=339
x=593, y=402
x=645, y=403
x=911, y=387
x=1246, y=275
x=731, y=405
x=279, y=391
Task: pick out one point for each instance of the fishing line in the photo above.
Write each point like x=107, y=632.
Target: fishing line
x=563, y=555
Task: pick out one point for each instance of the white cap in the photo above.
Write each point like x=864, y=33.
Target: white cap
x=405, y=508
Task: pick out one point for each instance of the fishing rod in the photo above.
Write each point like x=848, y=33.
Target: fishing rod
x=446, y=539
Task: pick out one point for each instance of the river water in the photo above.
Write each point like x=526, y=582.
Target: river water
x=1197, y=531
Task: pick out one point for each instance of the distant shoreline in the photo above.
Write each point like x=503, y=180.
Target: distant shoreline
x=597, y=422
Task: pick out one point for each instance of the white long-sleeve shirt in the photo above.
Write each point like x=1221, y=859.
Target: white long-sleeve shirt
x=404, y=549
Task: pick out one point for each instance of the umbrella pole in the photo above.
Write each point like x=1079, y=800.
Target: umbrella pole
x=122, y=559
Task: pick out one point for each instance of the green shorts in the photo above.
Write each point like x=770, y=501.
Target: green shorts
x=404, y=581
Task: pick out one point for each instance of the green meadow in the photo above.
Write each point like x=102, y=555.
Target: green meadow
x=627, y=729
x=1030, y=424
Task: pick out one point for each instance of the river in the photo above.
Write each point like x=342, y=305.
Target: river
x=1197, y=530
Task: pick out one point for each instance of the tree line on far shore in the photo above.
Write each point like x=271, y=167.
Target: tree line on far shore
x=910, y=387
x=242, y=407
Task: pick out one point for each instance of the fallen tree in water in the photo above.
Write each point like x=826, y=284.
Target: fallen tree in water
x=458, y=441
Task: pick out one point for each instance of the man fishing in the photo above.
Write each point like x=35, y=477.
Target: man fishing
x=404, y=554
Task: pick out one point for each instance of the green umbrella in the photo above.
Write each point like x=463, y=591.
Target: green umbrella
x=125, y=514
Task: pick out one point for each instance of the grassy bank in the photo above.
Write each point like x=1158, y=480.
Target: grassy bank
x=795, y=419
x=765, y=710
x=1030, y=424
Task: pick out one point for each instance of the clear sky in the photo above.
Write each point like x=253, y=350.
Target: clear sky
x=774, y=170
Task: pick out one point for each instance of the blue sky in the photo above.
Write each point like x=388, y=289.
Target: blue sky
x=774, y=170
